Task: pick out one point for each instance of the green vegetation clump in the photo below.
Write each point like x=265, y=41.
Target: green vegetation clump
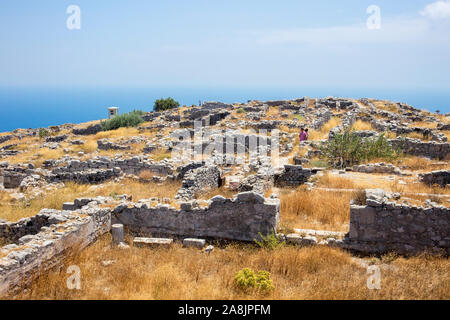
x=165, y=104
x=240, y=110
x=131, y=119
x=270, y=242
x=347, y=149
x=43, y=133
x=248, y=280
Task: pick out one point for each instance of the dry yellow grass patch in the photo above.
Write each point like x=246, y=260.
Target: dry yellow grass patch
x=329, y=180
x=417, y=135
x=139, y=190
x=386, y=105
x=325, y=130
x=224, y=192
x=421, y=164
x=13, y=211
x=146, y=174
x=315, y=209
x=362, y=125
x=423, y=124
x=181, y=273
x=119, y=133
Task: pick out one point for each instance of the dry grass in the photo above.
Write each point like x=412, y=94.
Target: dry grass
x=146, y=174
x=423, y=124
x=308, y=210
x=325, y=130
x=13, y=211
x=421, y=164
x=329, y=180
x=379, y=181
x=180, y=273
x=386, y=105
x=417, y=135
x=224, y=192
x=360, y=125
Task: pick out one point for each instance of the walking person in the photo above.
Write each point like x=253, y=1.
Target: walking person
x=302, y=135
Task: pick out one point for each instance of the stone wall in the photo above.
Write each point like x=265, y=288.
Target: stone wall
x=241, y=218
x=441, y=178
x=105, y=144
x=13, y=175
x=377, y=168
x=93, y=129
x=131, y=166
x=90, y=176
x=199, y=180
x=383, y=225
x=66, y=232
x=292, y=176
x=416, y=147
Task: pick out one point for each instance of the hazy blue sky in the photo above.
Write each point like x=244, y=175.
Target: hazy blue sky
x=232, y=43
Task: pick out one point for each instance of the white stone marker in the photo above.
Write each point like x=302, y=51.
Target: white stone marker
x=117, y=233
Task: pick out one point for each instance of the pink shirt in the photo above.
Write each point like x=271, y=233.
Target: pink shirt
x=303, y=136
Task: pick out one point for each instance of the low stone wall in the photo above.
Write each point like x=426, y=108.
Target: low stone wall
x=131, y=166
x=5, y=138
x=441, y=178
x=242, y=218
x=66, y=233
x=416, y=147
x=292, y=176
x=12, y=231
x=93, y=129
x=377, y=168
x=202, y=179
x=91, y=176
x=382, y=225
x=13, y=175
x=104, y=144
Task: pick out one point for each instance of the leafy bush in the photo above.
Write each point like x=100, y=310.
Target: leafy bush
x=165, y=104
x=132, y=119
x=43, y=133
x=240, y=110
x=347, y=149
x=270, y=242
x=247, y=280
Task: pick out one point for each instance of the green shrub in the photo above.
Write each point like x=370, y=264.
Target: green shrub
x=43, y=133
x=247, y=280
x=270, y=242
x=132, y=119
x=240, y=110
x=165, y=104
x=347, y=149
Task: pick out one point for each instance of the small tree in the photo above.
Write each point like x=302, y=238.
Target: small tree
x=43, y=133
x=132, y=119
x=165, y=104
x=347, y=149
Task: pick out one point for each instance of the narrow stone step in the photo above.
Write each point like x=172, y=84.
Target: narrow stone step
x=152, y=242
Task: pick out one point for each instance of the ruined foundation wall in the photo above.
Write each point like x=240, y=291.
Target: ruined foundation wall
x=382, y=226
x=37, y=253
x=416, y=147
x=241, y=218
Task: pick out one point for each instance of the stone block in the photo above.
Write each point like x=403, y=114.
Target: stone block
x=194, y=243
x=152, y=242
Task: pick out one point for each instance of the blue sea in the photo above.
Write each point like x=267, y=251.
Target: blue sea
x=41, y=107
